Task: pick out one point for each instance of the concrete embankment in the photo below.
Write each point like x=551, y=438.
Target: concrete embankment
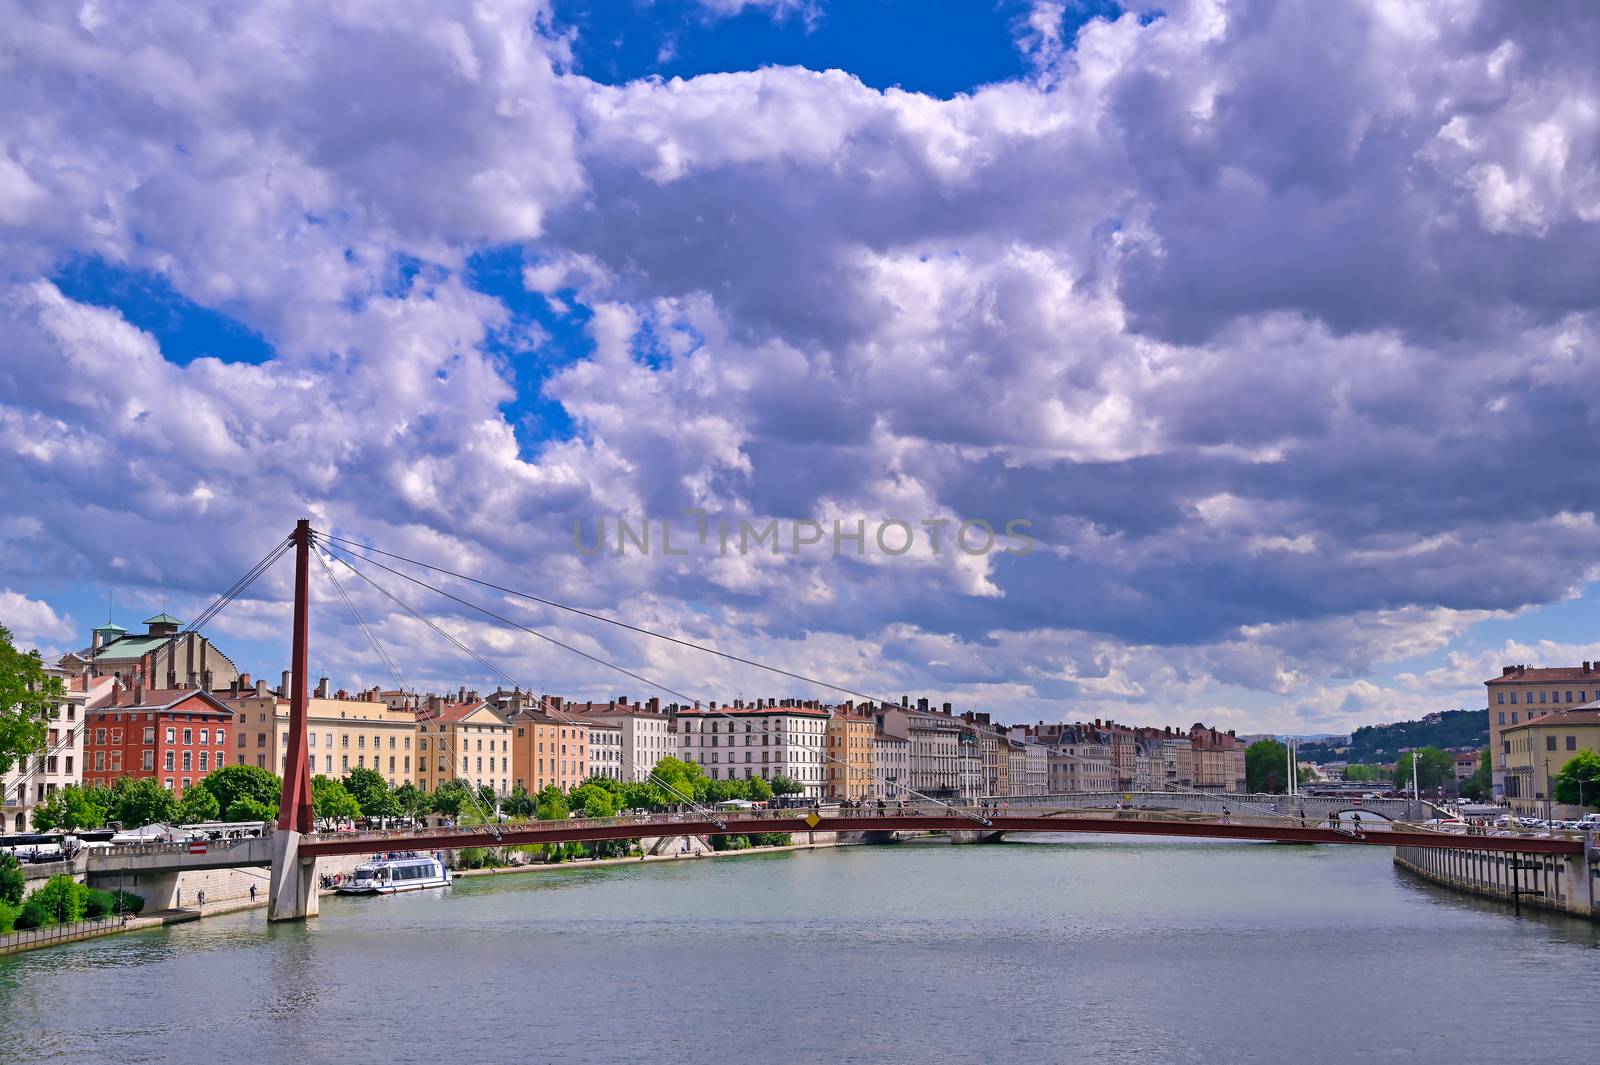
x=1562, y=883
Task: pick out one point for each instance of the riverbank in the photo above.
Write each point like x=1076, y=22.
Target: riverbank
x=1558, y=883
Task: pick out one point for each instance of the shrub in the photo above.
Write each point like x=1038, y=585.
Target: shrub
x=12, y=880
x=125, y=902
x=8, y=918
x=34, y=914
x=99, y=904
x=63, y=898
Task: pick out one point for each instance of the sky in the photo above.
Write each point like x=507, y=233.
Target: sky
x=1270, y=328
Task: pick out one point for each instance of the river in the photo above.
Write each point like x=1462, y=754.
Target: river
x=1038, y=952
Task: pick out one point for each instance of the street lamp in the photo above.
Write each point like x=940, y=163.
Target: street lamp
x=1548, y=788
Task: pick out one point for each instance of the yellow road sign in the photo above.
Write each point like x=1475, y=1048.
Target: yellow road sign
x=812, y=820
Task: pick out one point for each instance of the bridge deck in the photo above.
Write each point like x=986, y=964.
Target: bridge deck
x=792, y=821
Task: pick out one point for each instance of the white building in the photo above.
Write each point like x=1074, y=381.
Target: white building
x=766, y=740
x=892, y=757
x=646, y=734
x=60, y=763
x=605, y=750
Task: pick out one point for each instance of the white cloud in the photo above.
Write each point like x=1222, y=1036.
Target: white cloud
x=33, y=623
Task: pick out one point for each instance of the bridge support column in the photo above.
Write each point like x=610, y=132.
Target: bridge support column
x=292, y=891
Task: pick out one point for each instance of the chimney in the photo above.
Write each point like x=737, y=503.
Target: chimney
x=285, y=684
x=922, y=703
x=654, y=705
x=138, y=693
x=435, y=703
x=207, y=679
x=261, y=688
x=244, y=681
x=322, y=688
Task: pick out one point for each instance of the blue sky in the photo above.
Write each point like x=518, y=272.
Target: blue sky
x=1269, y=323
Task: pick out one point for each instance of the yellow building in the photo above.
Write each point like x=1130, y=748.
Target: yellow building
x=1524, y=693
x=548, y=751
x=343, y=732
x=852, y=757
x=1535, y=751
x=467, y=740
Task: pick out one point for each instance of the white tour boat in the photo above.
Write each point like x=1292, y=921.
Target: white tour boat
x=391, y=875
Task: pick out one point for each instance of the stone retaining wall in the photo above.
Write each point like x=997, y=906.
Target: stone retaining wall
x=1563, y=883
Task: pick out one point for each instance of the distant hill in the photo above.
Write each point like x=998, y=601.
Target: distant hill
x=1384, y=743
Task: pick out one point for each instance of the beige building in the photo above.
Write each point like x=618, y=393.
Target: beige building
x=852, y=766
x=891, y=755
x=770, y=739
x=343, y=731
x=60, y=762
x=464, y=739
x=1523, y=693
x=647, y=734
x=547, y=750
x=1218, y=759
x=1535, y=752
x=935, y=766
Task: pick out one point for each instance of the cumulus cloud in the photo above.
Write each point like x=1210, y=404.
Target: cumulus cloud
x=1274, y=323
x=33, y=623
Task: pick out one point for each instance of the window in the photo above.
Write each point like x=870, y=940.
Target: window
x=205, y=738
x=150, y=735
x=361, y=741
x=1569, y=699
x=1572, y=745
x=116, y=761
x=311, y=741
x=167, y=783
x=344, y=762
x=344, y=741
x=329, y=760
x=1513, y=721
x=1513, y=700
x=172, y=737
x=171, y=762
x=221, y=756
x=1502, y=721
x=149, y=761
x=100, y=736
x=99, y=761
x=205, y=756
x=188, y=761
x=261, y=739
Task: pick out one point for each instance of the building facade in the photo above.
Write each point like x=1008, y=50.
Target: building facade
x=647, y=734
x=343, y=732
x=1535, y=752
x=463, y=739
x=1524, y=693
x=739, y=742
x=60, y=762
x=164, y=656
x=175, y=735
x=852, y=767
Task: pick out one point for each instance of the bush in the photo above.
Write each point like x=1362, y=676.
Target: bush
x=34, y=914
x=126, y=902
x=8, y=918
x=63, y=898
x=99, y=904
x=12, y=880
x=772, y=839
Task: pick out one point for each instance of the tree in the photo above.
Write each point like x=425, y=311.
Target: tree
x=782, y=785
x=1434, y=768
x=331, y=800
x=1361, y=772
x=13, y=881
x=449, y=797
x=372, y=792
x=551, y=805
x=519, y=803
x=234, y=782
x=141, y=801
x=1266, y=767
x=1477, y=786
x=679, y=780
x=71, y=808
x=198, y=805
x=28, y=699
x=594, y=801
x=1578, y=783
x=757, y=789
x=63, y=898
x=248, y=809
x=412, y=802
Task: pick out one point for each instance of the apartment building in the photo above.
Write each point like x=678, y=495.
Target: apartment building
x=60, y=762
x=892, y=756
x=163, y=657
x=852, y=767
x=1535, y=752
x=1523, y=693
x=647, y=734
x=772, y=738
x=1218, y=759
x=344, y=731
x=465, y=739
x=547, y=750
x=934, y=748
x=176, y=735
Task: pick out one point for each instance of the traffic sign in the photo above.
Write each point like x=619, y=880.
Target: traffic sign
x=812, y=820
x=198, y=846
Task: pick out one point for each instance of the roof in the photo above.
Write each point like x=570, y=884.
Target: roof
x=1545, y=675
x=751, y=711
x=1587, y=714
x=162, y=619
x=453, y=713
x=156, y=699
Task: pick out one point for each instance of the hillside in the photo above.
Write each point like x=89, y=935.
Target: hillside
x=1384, y=743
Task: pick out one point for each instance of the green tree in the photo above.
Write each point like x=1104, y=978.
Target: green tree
x=782, y=785
x=12, y=880
x=1477, y=786
x=519, y=803
x=372, y=792
x=198, y=805
x=234, y=782
x=141, y=801
x=1434, y=768
x=71, y=808
x=758, y=790
x=551, y=805
x=28, y=698
x=247, y=809
x=331, y=800
x=1361, y=772
x=679, y=781
x=1266, y=767
x=412, y=803
x=594, y=801
x=1578, y=783
x=63, y=898
x=449, y=797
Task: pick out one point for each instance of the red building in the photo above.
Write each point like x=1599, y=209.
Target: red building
x=176, y=735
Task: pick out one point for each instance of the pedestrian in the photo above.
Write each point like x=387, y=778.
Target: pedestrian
x=252, y=893
x=202, y=897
